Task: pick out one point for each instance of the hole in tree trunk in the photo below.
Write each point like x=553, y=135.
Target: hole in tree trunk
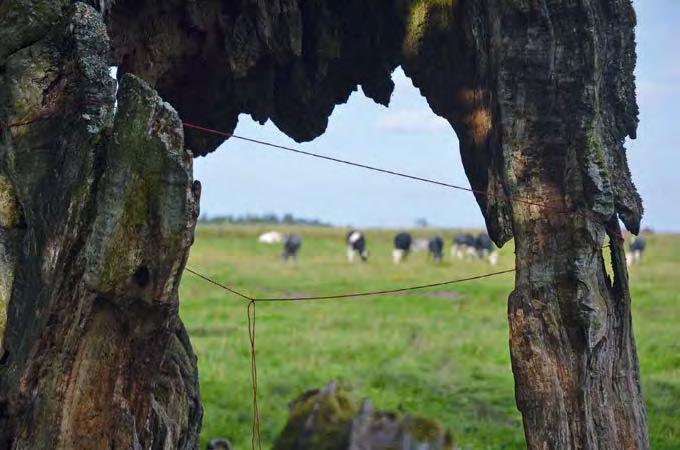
x=141, y=276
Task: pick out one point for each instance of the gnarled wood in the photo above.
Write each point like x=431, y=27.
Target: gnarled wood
x=97, y=222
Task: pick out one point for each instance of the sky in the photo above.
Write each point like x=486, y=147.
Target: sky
x=243, y=178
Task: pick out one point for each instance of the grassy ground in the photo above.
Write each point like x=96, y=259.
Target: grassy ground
x=441, y=353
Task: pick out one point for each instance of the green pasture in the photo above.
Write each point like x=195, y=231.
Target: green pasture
x=441, y=353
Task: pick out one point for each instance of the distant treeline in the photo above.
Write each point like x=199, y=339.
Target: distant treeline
x=270, y=219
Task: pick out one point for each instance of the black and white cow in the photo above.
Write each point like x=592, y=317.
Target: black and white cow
x=485, y=248
x=436, y=248
x=291, y=247
x=463, y=246
x=356, y=246
x=636, y=249
x=402, y=247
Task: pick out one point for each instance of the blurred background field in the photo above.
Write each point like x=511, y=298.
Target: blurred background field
x=441, y=353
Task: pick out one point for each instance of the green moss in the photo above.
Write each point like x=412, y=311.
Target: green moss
x=322, y=420
x=10, y=217
x=424, y=430
x=424, y=15
x=10, y=212
x=117, y=263
x=332, y=409
x=143, y=196
x=595, y=146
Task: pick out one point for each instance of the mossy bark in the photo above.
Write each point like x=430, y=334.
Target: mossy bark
x=97, y=212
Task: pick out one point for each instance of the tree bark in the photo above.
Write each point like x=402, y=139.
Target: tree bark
x=564, y=118
x=543, y=99
x=97, y=218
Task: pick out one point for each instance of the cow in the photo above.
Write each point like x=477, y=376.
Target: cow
x=436, y=248
x=420, y=245
x=485, y=248
x=356, y=245
x=402, y=247
x=463, y=246
x=291, y=247
x=270, y=237
x=636, y=248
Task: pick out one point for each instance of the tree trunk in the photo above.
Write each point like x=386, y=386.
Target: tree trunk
x=97, y=217
x=566, y=103
x=543, y=99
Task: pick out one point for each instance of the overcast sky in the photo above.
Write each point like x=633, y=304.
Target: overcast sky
x=242, y=178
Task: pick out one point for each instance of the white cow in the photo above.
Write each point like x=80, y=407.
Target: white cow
x=271, y=237
x=420, y=245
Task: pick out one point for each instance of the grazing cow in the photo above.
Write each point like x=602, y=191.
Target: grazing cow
x=270, y=237
x=635, y=250
x=463, y=246
x=485, y=248
x=420, y=245
x=436, y=247
x=356, y=245
x=291, y=247
x=402, y=247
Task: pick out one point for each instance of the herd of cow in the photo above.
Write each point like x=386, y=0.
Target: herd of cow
x=464, y=246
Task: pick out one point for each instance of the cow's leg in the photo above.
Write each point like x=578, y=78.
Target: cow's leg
x=471, y=253
x=493, y=258
x=350, y=254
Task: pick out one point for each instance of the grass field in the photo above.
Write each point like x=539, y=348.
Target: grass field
x=441, y=353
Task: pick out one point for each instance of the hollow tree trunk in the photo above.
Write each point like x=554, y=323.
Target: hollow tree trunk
x=97, y=216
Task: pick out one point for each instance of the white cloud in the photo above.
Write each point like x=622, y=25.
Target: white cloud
x=412, y=121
